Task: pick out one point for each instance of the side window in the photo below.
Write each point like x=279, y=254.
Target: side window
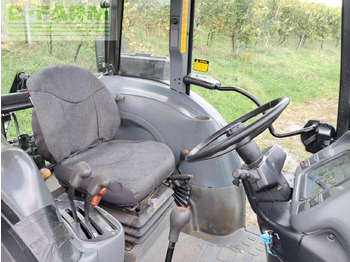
x=37, y=34
x=145, y=44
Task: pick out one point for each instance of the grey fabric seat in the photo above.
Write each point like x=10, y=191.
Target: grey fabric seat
x=76, y=118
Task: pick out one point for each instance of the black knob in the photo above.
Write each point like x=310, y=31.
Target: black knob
x=174, y=20
x=99, y=182
x=104, y=4
x=81, y=171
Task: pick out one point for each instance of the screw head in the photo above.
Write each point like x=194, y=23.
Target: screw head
x=331, y=237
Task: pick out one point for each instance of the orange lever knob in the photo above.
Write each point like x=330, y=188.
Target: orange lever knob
x=95, y=200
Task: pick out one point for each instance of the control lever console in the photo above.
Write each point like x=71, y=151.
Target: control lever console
x=93, y=228
x=102, y=232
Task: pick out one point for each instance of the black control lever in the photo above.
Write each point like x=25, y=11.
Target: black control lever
x=81, y=171
x=240, y=174
x=182, y=177
x=201, y=80
x=182, y=157
x=179, y=218
x=97, y=184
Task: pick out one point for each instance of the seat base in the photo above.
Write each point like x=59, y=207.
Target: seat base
x=135, y=169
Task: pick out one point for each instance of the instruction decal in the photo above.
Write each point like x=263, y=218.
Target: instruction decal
x=201, y=65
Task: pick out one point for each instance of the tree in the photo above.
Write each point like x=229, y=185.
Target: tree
x=211, y=16
x=152, y=16
x=334, y=22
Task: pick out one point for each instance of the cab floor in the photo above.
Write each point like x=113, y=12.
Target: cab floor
x=240, y=246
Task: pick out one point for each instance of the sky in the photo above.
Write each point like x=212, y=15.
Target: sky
x=337, y=3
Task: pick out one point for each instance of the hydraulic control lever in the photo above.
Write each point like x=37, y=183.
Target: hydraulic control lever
x=182, y=157
x=179, y=218
x=80, y=172
x=96, y=188
x=182, y=177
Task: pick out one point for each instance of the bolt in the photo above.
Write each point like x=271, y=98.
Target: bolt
x=331, y=237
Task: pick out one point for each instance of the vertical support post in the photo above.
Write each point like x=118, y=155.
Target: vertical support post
x=114, y=42
x=179, y=43
x=190, y=43
x=343, y=121
x=105, y=42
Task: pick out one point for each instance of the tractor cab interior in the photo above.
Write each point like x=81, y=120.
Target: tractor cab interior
x=145, y=169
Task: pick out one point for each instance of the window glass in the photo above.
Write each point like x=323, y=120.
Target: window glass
x=37, y=34
x=145, y=44
x=272, y=48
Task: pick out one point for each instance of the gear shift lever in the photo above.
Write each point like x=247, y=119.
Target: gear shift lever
x=97, y=184
x=179, y=218
x=81, y=171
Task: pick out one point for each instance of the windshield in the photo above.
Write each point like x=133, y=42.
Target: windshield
x=145, y=44
x=271, y=48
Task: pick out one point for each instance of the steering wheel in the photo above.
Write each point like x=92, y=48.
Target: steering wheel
x=236, y=133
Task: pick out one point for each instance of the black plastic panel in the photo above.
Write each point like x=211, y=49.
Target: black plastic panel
x=14, y=102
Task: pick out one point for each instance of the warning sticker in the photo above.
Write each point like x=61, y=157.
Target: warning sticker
x=201, y=65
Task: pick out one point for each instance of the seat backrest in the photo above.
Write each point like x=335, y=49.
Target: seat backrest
x=74, y=109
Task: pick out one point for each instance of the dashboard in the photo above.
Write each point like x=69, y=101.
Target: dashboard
x=324, y=176
x=321, y=197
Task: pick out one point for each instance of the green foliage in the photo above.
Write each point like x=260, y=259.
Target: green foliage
x=143, y=19
x=235, y=18
x=307, y=21
x=245, y=21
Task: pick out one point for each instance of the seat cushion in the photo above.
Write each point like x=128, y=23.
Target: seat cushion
x=135, y=168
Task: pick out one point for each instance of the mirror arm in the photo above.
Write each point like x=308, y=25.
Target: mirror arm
x=292, y=133
x=214, y=84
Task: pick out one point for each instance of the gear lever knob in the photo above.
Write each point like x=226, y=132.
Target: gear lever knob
x=99, y=182
x=179, y=218
x=81, y=171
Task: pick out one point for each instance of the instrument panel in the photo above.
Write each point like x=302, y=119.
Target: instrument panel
x=321, y=197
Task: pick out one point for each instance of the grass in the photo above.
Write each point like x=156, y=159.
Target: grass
x=18, y=57
x=274, y=71
x=305, y=75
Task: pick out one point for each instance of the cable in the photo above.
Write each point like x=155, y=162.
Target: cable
x=16, y=123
